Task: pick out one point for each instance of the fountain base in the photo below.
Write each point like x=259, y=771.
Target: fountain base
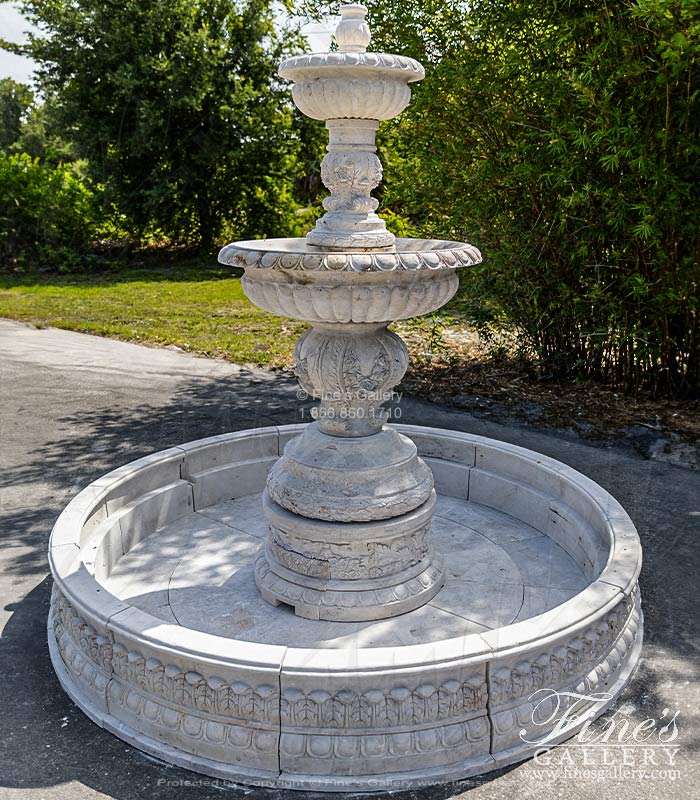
x=349, y=572
x=158, y=632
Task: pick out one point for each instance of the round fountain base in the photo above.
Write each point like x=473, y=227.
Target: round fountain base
x=159, y=633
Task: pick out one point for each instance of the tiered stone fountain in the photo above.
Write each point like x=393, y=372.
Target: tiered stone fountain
x=296, y=606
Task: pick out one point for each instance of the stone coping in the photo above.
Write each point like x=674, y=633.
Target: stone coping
x=335, y=65
x=122, y=493
x=298, y=254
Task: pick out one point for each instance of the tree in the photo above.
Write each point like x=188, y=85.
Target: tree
x=176, y=109
x=47, y=215
x=565, y=140
x=40, y=136
x=16, y=99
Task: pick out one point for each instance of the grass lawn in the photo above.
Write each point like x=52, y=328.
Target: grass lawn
x=201, y=309
x=195, y=305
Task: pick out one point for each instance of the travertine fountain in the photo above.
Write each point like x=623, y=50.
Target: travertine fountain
x=346, y=604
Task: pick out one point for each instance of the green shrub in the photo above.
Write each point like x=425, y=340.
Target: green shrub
x=564, y=140
x=47, y=215
x=16, y=101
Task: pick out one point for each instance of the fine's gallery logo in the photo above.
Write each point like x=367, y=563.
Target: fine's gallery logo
x=616, y=746
x=560, y=713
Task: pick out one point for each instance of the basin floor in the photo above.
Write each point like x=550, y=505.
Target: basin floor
x=198, y=572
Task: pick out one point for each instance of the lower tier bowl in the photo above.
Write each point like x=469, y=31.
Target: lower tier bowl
x=158, y=632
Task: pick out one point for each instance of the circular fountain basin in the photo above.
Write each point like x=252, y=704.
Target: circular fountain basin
x=158, y=633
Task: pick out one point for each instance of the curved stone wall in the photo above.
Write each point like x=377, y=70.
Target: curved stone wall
x=359, y=718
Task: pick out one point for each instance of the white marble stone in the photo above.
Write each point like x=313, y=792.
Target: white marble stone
x=133, y=481
x=543, y=563
x=243, y=513
x=222, y=451
x=153, y=510
x=489, y=522
x=466, y=551
x=227, y=482
x=106, y=547
x=201, y=571
x=80, y=517
x=349, y=571
x=450, y=478
x=287, y=433
x=350, y=278
x=366, y=297
x=432, y=444
x=513, y=497
x=62, y=556
x=179, y=619
x=214, y=560
x=148, y=566
x=352, y=90
x=489, y=604
x=362, y=267
x=350, y=479
x=539, y=599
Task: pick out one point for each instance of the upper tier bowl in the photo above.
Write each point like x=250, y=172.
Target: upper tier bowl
x=351, y=85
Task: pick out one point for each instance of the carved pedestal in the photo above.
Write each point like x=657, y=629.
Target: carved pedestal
x=352, y=90
x=349, y=571
x=349, y=502
x=351, y=170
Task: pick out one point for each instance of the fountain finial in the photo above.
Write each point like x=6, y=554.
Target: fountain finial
x=352, y=33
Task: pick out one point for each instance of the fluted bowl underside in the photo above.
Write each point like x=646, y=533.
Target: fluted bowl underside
x=339, y=297
x=351, y=98
x=351, y=85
